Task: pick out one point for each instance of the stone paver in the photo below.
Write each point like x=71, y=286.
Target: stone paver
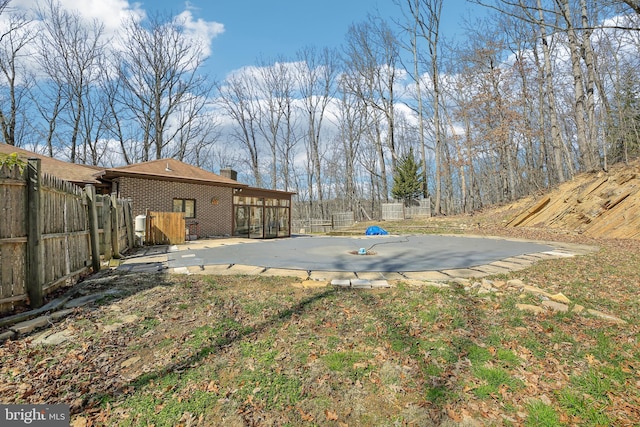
x=285, y=272
x=606, y=316
x=561, y=254
x=556, y=306
x=376, y=284
x=31, y=325
x=215, y=269
x=520, y=260
x=373, y=275
x=360, y=283
x=84, y=300
x=6, y=336
x=511, y=266
x=330, y=275
x=531, y=308
x=344, y=283
x=464, y=273
x=245, y=269
x=55, y=338
x=491, y=269
x=426, y=275
x=392, y=276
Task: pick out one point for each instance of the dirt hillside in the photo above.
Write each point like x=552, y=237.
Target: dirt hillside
x=598, y=205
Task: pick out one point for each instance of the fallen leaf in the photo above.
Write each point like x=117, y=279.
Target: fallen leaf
x=452, y=414
x=331, y=416
x=305, y=416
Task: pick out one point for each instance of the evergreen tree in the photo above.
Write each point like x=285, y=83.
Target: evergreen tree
x=407, y=180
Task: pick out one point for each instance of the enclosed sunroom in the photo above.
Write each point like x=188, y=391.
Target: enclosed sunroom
x=261, y=214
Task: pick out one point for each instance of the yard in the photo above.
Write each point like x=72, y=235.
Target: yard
x=244, y=350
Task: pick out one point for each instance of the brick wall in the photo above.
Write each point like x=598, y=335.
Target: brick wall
x=213, y=219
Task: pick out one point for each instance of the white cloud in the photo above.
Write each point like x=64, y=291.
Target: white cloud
x=113, y=13
x=110, y=12
x=200, y=31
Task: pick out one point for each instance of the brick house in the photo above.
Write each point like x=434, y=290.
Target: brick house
x=214, y=205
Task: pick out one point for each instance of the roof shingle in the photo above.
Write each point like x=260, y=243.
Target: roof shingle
x=171, y=170
x=72, y=172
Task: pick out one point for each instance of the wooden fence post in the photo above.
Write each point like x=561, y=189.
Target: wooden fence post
x=35, y=272
x=93, y=227
x=107, y=229
x=128, y=217
x=115, y=226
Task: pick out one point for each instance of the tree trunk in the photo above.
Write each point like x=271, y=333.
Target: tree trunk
x=556, y=137
x=586, y=159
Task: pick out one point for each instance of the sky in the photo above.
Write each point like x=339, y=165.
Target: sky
x=254, y=30
x=238, y=33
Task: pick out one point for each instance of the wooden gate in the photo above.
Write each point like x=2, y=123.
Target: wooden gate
x=165, y=228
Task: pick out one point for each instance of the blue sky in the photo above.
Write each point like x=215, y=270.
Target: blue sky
x=256, y=29
x=238, y=33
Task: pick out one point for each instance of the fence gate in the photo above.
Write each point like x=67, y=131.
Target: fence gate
x=165, y=228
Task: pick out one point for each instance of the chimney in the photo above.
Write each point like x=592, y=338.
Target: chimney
x=227, y=172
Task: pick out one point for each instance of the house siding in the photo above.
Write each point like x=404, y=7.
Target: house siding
x=155, y=195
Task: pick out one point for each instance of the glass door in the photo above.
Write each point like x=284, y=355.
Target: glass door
x=241, y=221
x=256, y=230
x=271, y=223
x=284, y=227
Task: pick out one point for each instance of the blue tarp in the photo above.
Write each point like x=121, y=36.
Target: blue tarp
x=374, y=230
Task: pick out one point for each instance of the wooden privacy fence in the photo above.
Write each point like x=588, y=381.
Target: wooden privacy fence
x=163, y=228
x=342, y=220
x=396, y=211
x=338, y=221
x=49, y=229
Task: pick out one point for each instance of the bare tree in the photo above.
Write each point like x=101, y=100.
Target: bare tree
x=619, y=65
x=237, y=97
x=277, y=121
x=70, y=49
x=351, y=121
x=16, y=78
x=583, y=105
x=429, y=29
x=546, y=71
x=198, y=130
x=521, y=40
x=317, y=72
x=633, y=4
x=4, y=4
x=371, y=59
x=111, y=87
x=160, y=72
x=423, y=27
x=575, y=19
x=467, y=147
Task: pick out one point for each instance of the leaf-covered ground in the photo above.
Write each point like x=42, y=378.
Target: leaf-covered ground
x=234, y=351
